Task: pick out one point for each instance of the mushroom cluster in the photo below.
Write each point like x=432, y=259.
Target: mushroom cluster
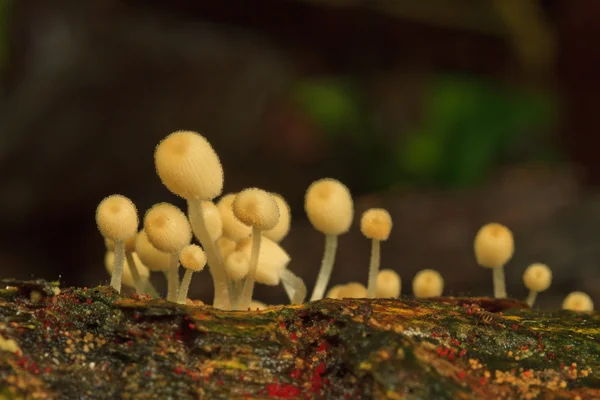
x=239, y=238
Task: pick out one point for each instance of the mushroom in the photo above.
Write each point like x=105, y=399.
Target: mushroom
x=255, y=208
x=212, y=220
x=233, y=228
x=190, y=168
x=169, y=231
x=388, y=284
x=142, y=282
x=537, y=278
x=334, y=292
x=236, y=266
x=352, y=290
x=428, y=283
x=127, y=278
x=578, y=301
x=280, y=231
x=117, y=220
x=375, y=224
x=329, y=207
x=256, y=305
x=193, y=259
x=150, y=256
x=494, y=247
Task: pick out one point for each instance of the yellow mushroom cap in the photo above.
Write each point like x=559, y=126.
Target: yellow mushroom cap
x=236, y=265
x=388, y=284
x=428, y=283
x=167, y=227
x=226, y=246
x=271, y=259
x=232, y=227
x=376, y=224
x=192, y=257
x=255, y=207
x=334, y=292
x=352, y=290
x=578, y=301
x=153, y=258
x=127, y=278
x=188, y=166
x=254, y=304
x=494, y=245
x=212, y=219
x=537, y=277
x=282, y=228
x=117, y=218
x=329, y=207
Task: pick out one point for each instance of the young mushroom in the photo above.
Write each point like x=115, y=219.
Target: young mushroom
x=334, y=292
x=388, y=284
x=117, y=220
x=494, y=247
x=280, y=231
x=127, y=278
x=150, y=256
x=330, y=210
x=375, y=224
x=428, y=283
x=255, y=208
x=193, y=259
x=233, y=228
x=169, y=231
x=537, y=278
x=352, y=290
x=190, y=168
x=578, y=301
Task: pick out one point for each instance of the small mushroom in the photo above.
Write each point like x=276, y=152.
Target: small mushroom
x=428, y=283
x=353, y=290
x=193, y=259
x=578, y=301
x=388, y=284
x=375, y=224
x=494, y=247
x=537, y=278
x=127, y=278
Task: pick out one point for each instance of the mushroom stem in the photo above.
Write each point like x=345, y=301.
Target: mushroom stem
x=326, y=267
x=222, y=285
x=142, y=285
x=531, y=298
x=499, y=285
x=246, y=295
x=374, y=268
x=173, y=278
x=115, y=280
x=185, y=286
x=294, y=286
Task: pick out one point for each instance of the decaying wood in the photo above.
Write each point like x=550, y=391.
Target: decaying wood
x=91, y=343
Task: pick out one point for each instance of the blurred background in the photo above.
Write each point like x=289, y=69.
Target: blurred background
x=450, y=114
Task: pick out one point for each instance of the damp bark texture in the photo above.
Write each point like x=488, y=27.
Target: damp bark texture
x=92, y=343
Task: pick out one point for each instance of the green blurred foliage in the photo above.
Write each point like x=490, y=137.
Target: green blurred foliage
x=469, y=127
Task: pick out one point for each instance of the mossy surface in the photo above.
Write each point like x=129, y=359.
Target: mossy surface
x=92, y=343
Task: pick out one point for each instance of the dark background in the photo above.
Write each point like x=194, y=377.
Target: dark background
x=450, y=114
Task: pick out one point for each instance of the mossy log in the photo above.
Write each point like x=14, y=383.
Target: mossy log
x=91, y=343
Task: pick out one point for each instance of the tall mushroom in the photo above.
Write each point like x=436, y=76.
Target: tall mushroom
x=537, y=278
x=190, y=168
x=375, y=224
x=193, y=259
x=117, y=220
x=494, y=247
x=169, y=231
x=329, y=207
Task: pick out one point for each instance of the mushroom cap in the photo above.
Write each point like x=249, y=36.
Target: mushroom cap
x=212, y=219
x=153, y=258
x=352, y=290
x=329, y=207
x=226, y=246
x=388, y=284
x=127, y=278
x=334, y=292
x=167, y=227
x=232, y=227
x=280, y=231
x=494, y=245
x=255, y=304
x=578, y=301
x=192, y=257
x=236, y=265
x=537, y=277
x=117, y=218
x=188, y=166
x=271, y=260
x=428, y=283
x=376, y=224
x=255, y=207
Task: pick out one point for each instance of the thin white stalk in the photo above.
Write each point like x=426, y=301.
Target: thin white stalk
x=499, y=285
x=142, y=285
x=173, y=278
x=246, y=296
x=117, y=275
x=294, y=286
x=531, y=298
x=374, y=268
x=185, y=286
x=326, y=267
x=236, y=292
x=221, y=283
